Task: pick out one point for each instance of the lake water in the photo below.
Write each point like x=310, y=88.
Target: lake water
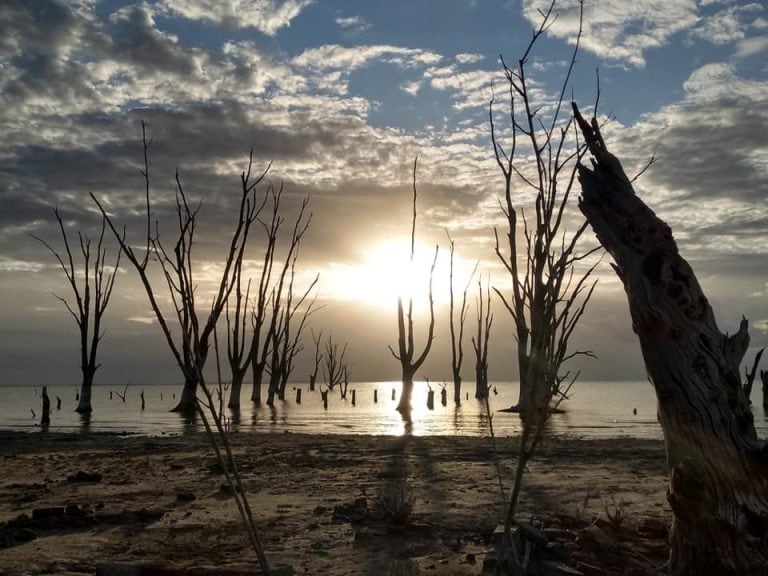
x=595, y=409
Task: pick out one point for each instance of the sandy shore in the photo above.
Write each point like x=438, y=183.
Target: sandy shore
x=315, y=502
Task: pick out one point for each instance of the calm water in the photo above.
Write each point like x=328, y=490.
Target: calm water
x=595, y=409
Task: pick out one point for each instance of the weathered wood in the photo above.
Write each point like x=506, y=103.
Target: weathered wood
x=718, y=468
x=749, y=375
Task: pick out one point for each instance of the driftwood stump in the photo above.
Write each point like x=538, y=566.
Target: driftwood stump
x=718, y=468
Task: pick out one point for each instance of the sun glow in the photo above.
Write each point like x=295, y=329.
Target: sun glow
x=385, y=272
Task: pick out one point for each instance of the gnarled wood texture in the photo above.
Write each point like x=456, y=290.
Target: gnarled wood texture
x=718, y=468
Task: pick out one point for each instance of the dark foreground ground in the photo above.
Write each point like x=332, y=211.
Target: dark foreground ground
x=323, y=504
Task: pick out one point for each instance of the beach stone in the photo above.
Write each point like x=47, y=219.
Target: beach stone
x=354, y=512
x=13, y=536
x=185, y=496
x=532, y=533
x=81, y=476
x=594, y=538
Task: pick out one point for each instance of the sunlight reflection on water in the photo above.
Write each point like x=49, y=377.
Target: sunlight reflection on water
x=595, y=409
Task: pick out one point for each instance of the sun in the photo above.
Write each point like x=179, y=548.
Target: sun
x=385, y=272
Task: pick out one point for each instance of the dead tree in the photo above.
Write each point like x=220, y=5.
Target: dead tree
x=45, y=415
x=549, y=293
x=190, y=343
x=237, y=334
x=718, y=468
x=457, y=340
x=344, y=384
x=550, y=284
x=318, y=358
x=268, y=314
x=406, y=353
x=294, y=317
x=91, y=299
x=482, y=338
x=335, y=366
x=749, y=375
x=261, y=324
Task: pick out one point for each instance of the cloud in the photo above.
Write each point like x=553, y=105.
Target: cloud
x=135, y=39
x=353, y=25
x=727, y=25
x=712, y=148
x=266, y=16
x=465, y=58
x=412, y=88
x=470, y=89
x=749, y=47
x=619, y=32
x=333, y=56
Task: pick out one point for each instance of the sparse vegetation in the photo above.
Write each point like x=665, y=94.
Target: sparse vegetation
x=395, y=503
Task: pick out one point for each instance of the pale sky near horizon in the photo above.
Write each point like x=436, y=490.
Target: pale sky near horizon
x=341, y=96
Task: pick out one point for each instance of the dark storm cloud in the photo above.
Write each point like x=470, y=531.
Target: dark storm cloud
x=710, y=151
x=135, y=39
x=35, y=37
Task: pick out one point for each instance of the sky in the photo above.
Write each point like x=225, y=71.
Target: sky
x=341, y=96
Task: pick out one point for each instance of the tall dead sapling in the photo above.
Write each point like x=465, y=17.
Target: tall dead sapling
x=406, y=353
x=191, y=352
x=91, y=298
x=457, y=340
x=550, y=283
x=316, y=338
x=749, y=375
x=481, y=339
x=718, y=467
x=549, y=291
x=190, y=343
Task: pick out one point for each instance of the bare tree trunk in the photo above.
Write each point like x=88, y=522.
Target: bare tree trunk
x=258, y=375
x=457, y=387
x=481, y=339
x=187, y=404
x=457, y=340
x=404, y=405
x=764, y=380
x=84, y=403
x=406, y=353
x=45, y=416
x=235, y=389
x=718, y=468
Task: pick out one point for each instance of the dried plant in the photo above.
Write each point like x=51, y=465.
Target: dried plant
x=396, y=503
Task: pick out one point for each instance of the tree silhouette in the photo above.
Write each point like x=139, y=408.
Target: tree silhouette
x=92, y=295
x=406, y=353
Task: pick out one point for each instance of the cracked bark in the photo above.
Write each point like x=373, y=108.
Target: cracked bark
x=718, y=468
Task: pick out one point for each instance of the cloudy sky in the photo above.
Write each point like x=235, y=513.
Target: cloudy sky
x=341, y=96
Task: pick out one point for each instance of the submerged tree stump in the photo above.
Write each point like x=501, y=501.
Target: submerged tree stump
x=718, y=468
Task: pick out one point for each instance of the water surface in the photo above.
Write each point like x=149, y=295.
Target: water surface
x=594, y=409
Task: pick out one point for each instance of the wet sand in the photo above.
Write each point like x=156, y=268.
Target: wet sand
x=142, y=499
